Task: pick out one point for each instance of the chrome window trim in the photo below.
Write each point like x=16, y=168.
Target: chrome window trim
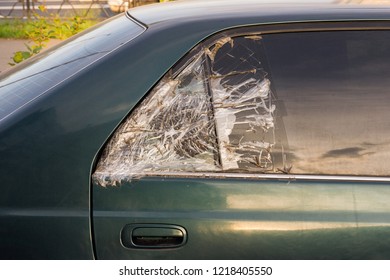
x=277, y=177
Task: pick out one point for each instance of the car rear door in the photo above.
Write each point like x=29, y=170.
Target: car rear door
x=262, y=143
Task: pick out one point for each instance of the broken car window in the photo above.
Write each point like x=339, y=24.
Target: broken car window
x=171, y=130
x=243, y=104
x=216, y=115
x=322, y=111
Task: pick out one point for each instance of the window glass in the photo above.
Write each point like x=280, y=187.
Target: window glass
x=300, y=103
x=332, y=93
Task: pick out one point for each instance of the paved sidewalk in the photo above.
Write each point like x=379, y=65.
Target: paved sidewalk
x=7, y=49
x=9, y=46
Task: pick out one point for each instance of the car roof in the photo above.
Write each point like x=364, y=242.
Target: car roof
x=260, y=11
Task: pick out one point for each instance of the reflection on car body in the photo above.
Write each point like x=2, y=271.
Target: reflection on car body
x=263, y=135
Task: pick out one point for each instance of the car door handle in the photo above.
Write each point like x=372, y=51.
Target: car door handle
x=153, y=236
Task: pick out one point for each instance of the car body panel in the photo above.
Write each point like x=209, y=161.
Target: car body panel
x=49, y=148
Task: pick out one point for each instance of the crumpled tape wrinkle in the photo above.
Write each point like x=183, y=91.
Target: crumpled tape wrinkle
x=175, y=128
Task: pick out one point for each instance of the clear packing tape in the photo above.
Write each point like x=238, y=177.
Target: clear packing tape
x=217, y=115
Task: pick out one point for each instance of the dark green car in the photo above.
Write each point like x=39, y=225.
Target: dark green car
x=202, y=130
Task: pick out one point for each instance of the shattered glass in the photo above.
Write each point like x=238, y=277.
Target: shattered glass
x=216, y=115
x=244, y=109
x=171, y=130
